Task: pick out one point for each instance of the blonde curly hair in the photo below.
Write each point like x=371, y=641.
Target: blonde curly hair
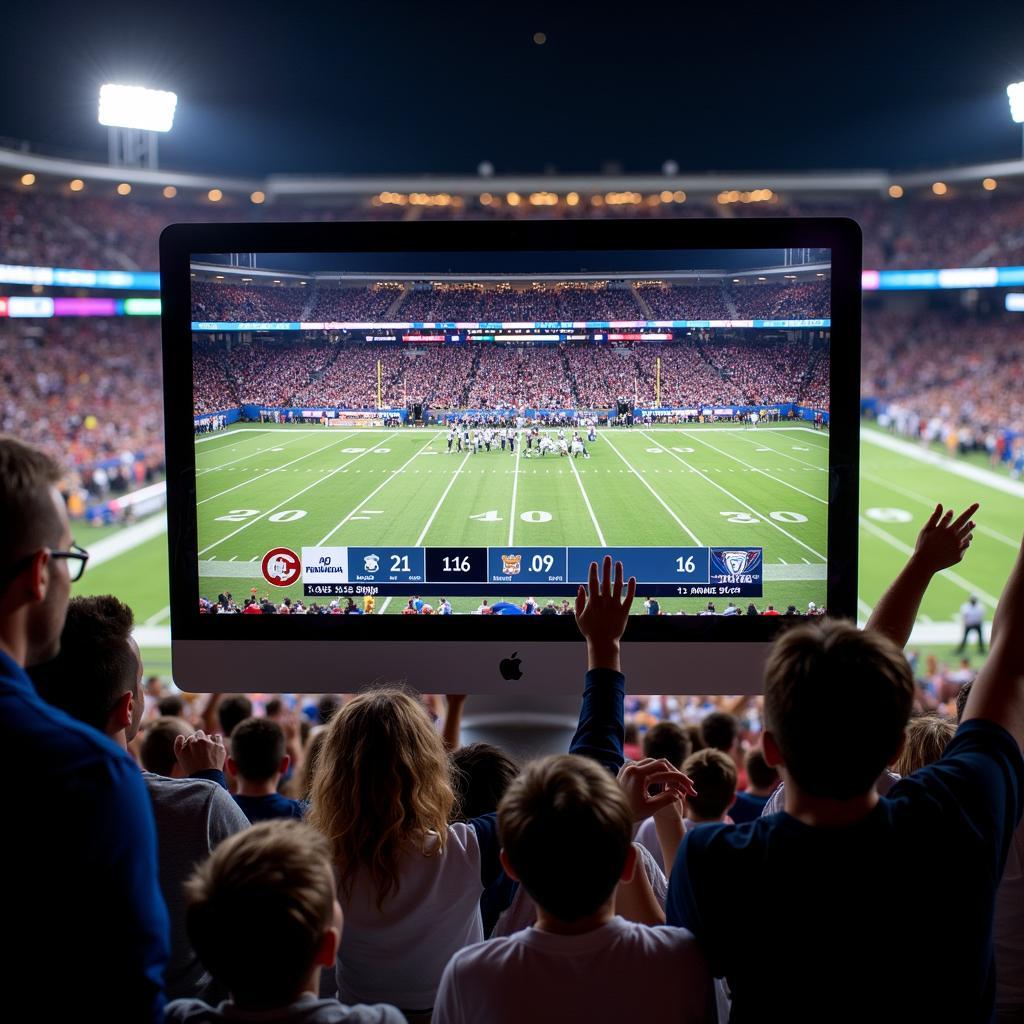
x=382, y=782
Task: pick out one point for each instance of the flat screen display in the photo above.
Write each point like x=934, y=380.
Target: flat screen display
x=463, y=433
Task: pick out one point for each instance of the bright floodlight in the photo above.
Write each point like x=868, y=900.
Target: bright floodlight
x=131, y=106
x=1015, y=93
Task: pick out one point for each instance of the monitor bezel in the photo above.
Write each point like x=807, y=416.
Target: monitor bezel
x=179, y=242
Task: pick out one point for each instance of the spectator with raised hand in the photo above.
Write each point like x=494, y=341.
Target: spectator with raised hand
x=409, y=882
x=830, y=873
x=85, y=850
x=97, y=679
x=565, y=829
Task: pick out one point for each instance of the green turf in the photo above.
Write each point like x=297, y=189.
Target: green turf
x=660, y=487
x=393, y=491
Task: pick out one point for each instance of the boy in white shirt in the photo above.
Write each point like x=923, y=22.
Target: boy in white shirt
x=565, y=828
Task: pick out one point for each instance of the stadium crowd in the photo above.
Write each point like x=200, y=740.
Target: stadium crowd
x=347, y=859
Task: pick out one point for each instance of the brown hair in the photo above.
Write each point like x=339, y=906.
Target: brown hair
x=258, y=907
x=156, y=752
x=382, y=780
x=481, y=774
x=26, y=508
x=566, y=829
x=927, y=737
x=714, y=777
x=760, y=773
x=257, y=747
x=811, y=673
x=667, y=740
x=96, y=663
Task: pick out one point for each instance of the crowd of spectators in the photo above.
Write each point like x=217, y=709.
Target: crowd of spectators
x=353, y=305
x=249, y=303
x=789, y=300
x=88, y=390
x=505, y=377
x=684, y=302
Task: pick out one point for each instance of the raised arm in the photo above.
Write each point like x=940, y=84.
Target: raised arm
x=601, y=614
x=940, y=544
x=998, y=693
x=452, y=729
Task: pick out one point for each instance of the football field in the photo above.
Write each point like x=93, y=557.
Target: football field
x=293, y=486
x=698, y=486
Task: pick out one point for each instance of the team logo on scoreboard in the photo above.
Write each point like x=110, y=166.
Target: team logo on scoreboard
x=371, y=563
x=732, y=562
x=512, y=564
x=281, y=567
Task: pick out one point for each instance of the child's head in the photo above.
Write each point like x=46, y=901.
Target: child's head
x=156, y=751
x=262, y=912
x=720, y=730
x=481, y=775
x=667, y=740
x=566, y=832
x=927, y=737
x=257, y=750
x=382, y=779
x=811, y=672
x=760, y=774
x=233, y=709
x=714, y=777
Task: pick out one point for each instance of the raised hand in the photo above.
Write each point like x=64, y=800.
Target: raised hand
x=602, y=613
x=637, y=778
x=199, y=752
x=943, y=539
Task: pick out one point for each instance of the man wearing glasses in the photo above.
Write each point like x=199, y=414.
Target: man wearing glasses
x=82, y=904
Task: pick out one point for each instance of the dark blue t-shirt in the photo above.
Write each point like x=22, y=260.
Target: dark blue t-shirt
x=747, y=807
x=888, y=919
x=263, y=808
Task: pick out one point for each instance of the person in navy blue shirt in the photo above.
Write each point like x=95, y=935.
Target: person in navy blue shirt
x=855, y=893
x=258, y=762
x=762, y=781
x=85, y=927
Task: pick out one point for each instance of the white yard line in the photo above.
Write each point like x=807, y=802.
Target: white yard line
x=657, y=497
x=928, y=503
x=967, y=470
x=281, y=504
x=278, y=469
x=515, y=491
x=794, y=458
x=242, y=458
x=124, y=540
x=906, y=549
x=763, y=472
x=227, y=435
x=157, y=617
x=739, y=501
x=437, y=507
x=586, y=501
x=391, y=476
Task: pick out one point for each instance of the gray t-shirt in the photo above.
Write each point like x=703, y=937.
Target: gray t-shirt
x=307, y=1010
x=192, y=816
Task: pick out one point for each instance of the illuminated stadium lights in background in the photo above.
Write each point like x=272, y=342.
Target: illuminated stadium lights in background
x=758, y=195
x=42, y=307
x=895, y=191
x=1015, y=302
x=1015, y=94
x=132, y=106
x=28, y=179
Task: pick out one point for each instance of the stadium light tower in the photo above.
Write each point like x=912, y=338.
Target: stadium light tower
x=1015, y=94
x=134, y=116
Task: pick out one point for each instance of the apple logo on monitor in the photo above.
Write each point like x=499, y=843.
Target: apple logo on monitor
x=509, y=667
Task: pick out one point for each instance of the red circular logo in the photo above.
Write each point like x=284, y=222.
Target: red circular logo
x=281, y=567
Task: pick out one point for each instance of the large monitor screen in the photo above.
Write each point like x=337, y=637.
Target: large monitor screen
x=463, y=433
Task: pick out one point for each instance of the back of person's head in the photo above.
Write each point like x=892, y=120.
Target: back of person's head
x=98, y=663
x=693, y=734
x=382, y=779
x=714, y=777
x=326, y=708
x=667, y=740
x=257, y=749
x=156, y=751
x=233, y=709
x=811, y=672
x=258, y=910
x=480, y=776
x=961, y=698
x=171, y=707
x=631, y=734
x=760, y=774
x=927, y=736
x=720, y=730
x=33, y=517
x=566, y=829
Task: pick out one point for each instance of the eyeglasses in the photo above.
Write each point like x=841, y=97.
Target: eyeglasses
x=76, y=558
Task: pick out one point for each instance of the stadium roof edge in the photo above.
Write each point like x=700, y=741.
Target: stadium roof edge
x=298, y=186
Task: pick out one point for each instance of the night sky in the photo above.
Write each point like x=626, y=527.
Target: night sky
x=390, y=87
